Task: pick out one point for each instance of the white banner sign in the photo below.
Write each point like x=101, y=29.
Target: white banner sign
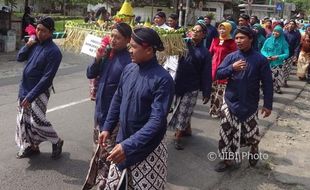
x=171, y=65
x=91, y=44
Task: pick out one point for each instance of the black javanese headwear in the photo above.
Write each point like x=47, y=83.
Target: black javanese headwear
x=48, y=23
x=148, y=37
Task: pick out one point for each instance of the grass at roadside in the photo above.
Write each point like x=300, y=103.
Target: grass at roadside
x=59, y=20
x=59, y=25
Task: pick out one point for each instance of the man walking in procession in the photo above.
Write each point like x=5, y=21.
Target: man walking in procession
x=141, y=105
x=245, y=70
x=108, y=66
x=43, y=59
x=193, y=74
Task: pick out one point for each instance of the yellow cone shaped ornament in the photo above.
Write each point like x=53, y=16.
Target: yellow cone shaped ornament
x=126, y=9
x=147, y=23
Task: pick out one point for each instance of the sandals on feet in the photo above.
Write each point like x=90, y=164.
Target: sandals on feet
x=278, y=91
x=187, y=132
x=28, y=152
x=178, y=145
x=57, y=149
x=222, y=166
x=253, y=159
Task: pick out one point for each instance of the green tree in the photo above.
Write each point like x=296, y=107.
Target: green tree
x=93, y=1
x=11, y=3
x=301, y=5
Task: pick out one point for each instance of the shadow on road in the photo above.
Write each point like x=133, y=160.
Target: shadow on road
x=76, y=169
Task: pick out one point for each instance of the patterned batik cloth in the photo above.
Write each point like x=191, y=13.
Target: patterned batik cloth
x=287, y=68
x=99, y=166
x=150, y=174
x=216, y=100
x=93, y=87
x=235, y=134
x=303, y=65
x=183, y=111
x=277, y=76
x=98, y=170
x=32, y=125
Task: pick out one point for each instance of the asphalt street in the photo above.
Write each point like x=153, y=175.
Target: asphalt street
x=71, y=114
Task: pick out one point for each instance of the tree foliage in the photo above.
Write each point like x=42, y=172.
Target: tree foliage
x=11, y=3
x=112, y=2
x=93, y=1
x=301, y=5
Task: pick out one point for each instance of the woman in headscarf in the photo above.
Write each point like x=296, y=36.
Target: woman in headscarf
x=259, y=35
x=268, y=27
x=277, y=23
x=220, y=48
x=303, y=62
x=305, y=29
x=276, y=50
x=233, y=25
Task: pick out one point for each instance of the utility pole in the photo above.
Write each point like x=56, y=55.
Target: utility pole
x=152, y=15
x=186, y=13
x=250, y=2
x=26, y=3
x=180, y=14
x=177, y=5
x=64, y=13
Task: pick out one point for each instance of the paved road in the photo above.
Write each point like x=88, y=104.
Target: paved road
x=188, y=169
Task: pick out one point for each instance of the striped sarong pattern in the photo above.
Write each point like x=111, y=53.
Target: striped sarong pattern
x=32, y=124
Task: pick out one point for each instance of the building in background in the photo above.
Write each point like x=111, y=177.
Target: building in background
x=263, y=8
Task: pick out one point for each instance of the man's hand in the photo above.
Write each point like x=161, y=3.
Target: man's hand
x=99, y=54
x=274, y=58
x=103, y=137
x=239, y=65
x=205, y=100
x=31, y=43
x=265, y=112
x=25, y=103
x=117, y=155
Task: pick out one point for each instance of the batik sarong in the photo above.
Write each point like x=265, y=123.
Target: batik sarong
x=93, y=87
x=151, y=173
x=99, y=166
x=303, y=64
x=277, y=76
x=216, y=100
x=235, y=134
x=32, y=124
x=287, y=68
x=98, y=170
x=183, y=111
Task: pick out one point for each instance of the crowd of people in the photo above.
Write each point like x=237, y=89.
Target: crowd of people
x=231, y=64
